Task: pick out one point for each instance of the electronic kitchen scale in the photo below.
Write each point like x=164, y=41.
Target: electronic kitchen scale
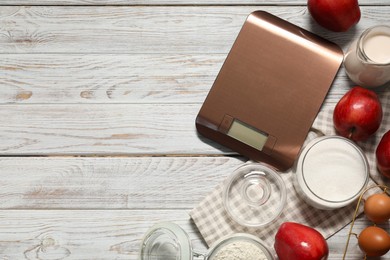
x=269, y=90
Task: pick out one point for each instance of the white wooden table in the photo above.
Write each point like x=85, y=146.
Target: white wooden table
x=98, y=103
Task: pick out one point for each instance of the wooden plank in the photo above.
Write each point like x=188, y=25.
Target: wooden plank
x=143, y=29
x=106, y=234
x=102, y=129
x=79, y=234
x=111, y=183
x=171, y=2
x=114, y=78
x=107, y=78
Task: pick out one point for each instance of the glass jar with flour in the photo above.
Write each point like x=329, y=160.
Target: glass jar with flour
x=367, y=61
x=168, y=241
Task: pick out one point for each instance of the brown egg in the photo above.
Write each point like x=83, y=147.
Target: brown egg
x=377, y=208
x=374, y=241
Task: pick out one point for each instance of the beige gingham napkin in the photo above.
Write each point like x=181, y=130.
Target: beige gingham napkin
x=213, y=222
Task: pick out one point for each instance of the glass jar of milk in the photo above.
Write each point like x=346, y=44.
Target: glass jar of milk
x=367, y=61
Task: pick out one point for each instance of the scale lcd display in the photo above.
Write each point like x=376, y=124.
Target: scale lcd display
x=247, y=135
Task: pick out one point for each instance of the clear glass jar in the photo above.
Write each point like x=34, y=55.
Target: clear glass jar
x=168, y=241
x=367, y=61
x=254, y=195
x=331, y=172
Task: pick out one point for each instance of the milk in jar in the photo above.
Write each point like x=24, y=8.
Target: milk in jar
x=367, y=61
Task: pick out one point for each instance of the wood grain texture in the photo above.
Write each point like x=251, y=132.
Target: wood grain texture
x=111, y=183
x=106, y=130
x=114, y=78
x=80, y=234
x=143, y=29
x=107, y=78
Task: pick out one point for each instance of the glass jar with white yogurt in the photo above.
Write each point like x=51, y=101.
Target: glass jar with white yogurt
x=367, y=61
x=168, y=241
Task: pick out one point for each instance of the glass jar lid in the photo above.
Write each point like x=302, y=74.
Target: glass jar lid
x=254, y=195
x=166, y=241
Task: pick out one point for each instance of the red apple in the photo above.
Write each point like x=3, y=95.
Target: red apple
x=295, y=241
x=335, y=15
x=358, y=114
x=383, y=155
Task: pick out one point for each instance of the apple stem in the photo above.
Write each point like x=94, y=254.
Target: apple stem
x=351, y=133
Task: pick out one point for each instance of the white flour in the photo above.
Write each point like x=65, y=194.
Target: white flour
x=240, y=250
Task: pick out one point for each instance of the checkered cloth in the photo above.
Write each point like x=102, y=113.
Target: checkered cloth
x=213, y=222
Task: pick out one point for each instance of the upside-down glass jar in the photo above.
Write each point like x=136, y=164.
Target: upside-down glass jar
x=168, y=241
x=254, y=195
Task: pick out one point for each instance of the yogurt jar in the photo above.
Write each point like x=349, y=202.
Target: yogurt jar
x=367, y=61
x=168, y=241
x=331, y=172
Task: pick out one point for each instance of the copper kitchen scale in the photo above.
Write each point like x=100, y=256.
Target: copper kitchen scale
x=269, y=90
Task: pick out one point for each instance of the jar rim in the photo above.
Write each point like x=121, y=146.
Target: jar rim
x=220, y=243
x=166, y=236
x=360, y=50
